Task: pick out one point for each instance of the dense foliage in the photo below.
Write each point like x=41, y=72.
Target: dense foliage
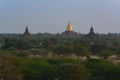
x=59, y=45
x=16, y=67
x=49, y=58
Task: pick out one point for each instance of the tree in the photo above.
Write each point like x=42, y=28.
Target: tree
x=72, y=72
x=39, y=69
x=81, y=50
x=49, y=43
x=10, y=68
x=102, y=70
x=65, y=50
x=18, y=43
x=106, y=53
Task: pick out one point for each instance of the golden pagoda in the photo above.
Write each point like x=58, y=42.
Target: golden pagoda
x=69, y=31
x=69, y=27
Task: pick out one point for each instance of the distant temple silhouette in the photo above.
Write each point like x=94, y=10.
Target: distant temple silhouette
x=69, y=31
x=26, y=33
x=92, y=34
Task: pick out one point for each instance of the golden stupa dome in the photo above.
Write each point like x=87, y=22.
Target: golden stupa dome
x=69, y=27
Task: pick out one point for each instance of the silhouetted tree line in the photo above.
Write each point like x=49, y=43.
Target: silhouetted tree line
x=65, y=46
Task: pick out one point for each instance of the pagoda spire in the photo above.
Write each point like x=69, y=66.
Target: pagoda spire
x=26, y=30
x=69, y=27
x=27, y=33
x=91, y=29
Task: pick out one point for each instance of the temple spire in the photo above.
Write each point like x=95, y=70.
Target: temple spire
x=69, y=31
x=27, y=33
x=69, y=27
x=91, y=29
x=26, y=30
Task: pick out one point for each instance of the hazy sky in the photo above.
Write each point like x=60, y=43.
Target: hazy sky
x=53, y=15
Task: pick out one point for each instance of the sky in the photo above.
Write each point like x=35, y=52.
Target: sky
x=52, y=16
